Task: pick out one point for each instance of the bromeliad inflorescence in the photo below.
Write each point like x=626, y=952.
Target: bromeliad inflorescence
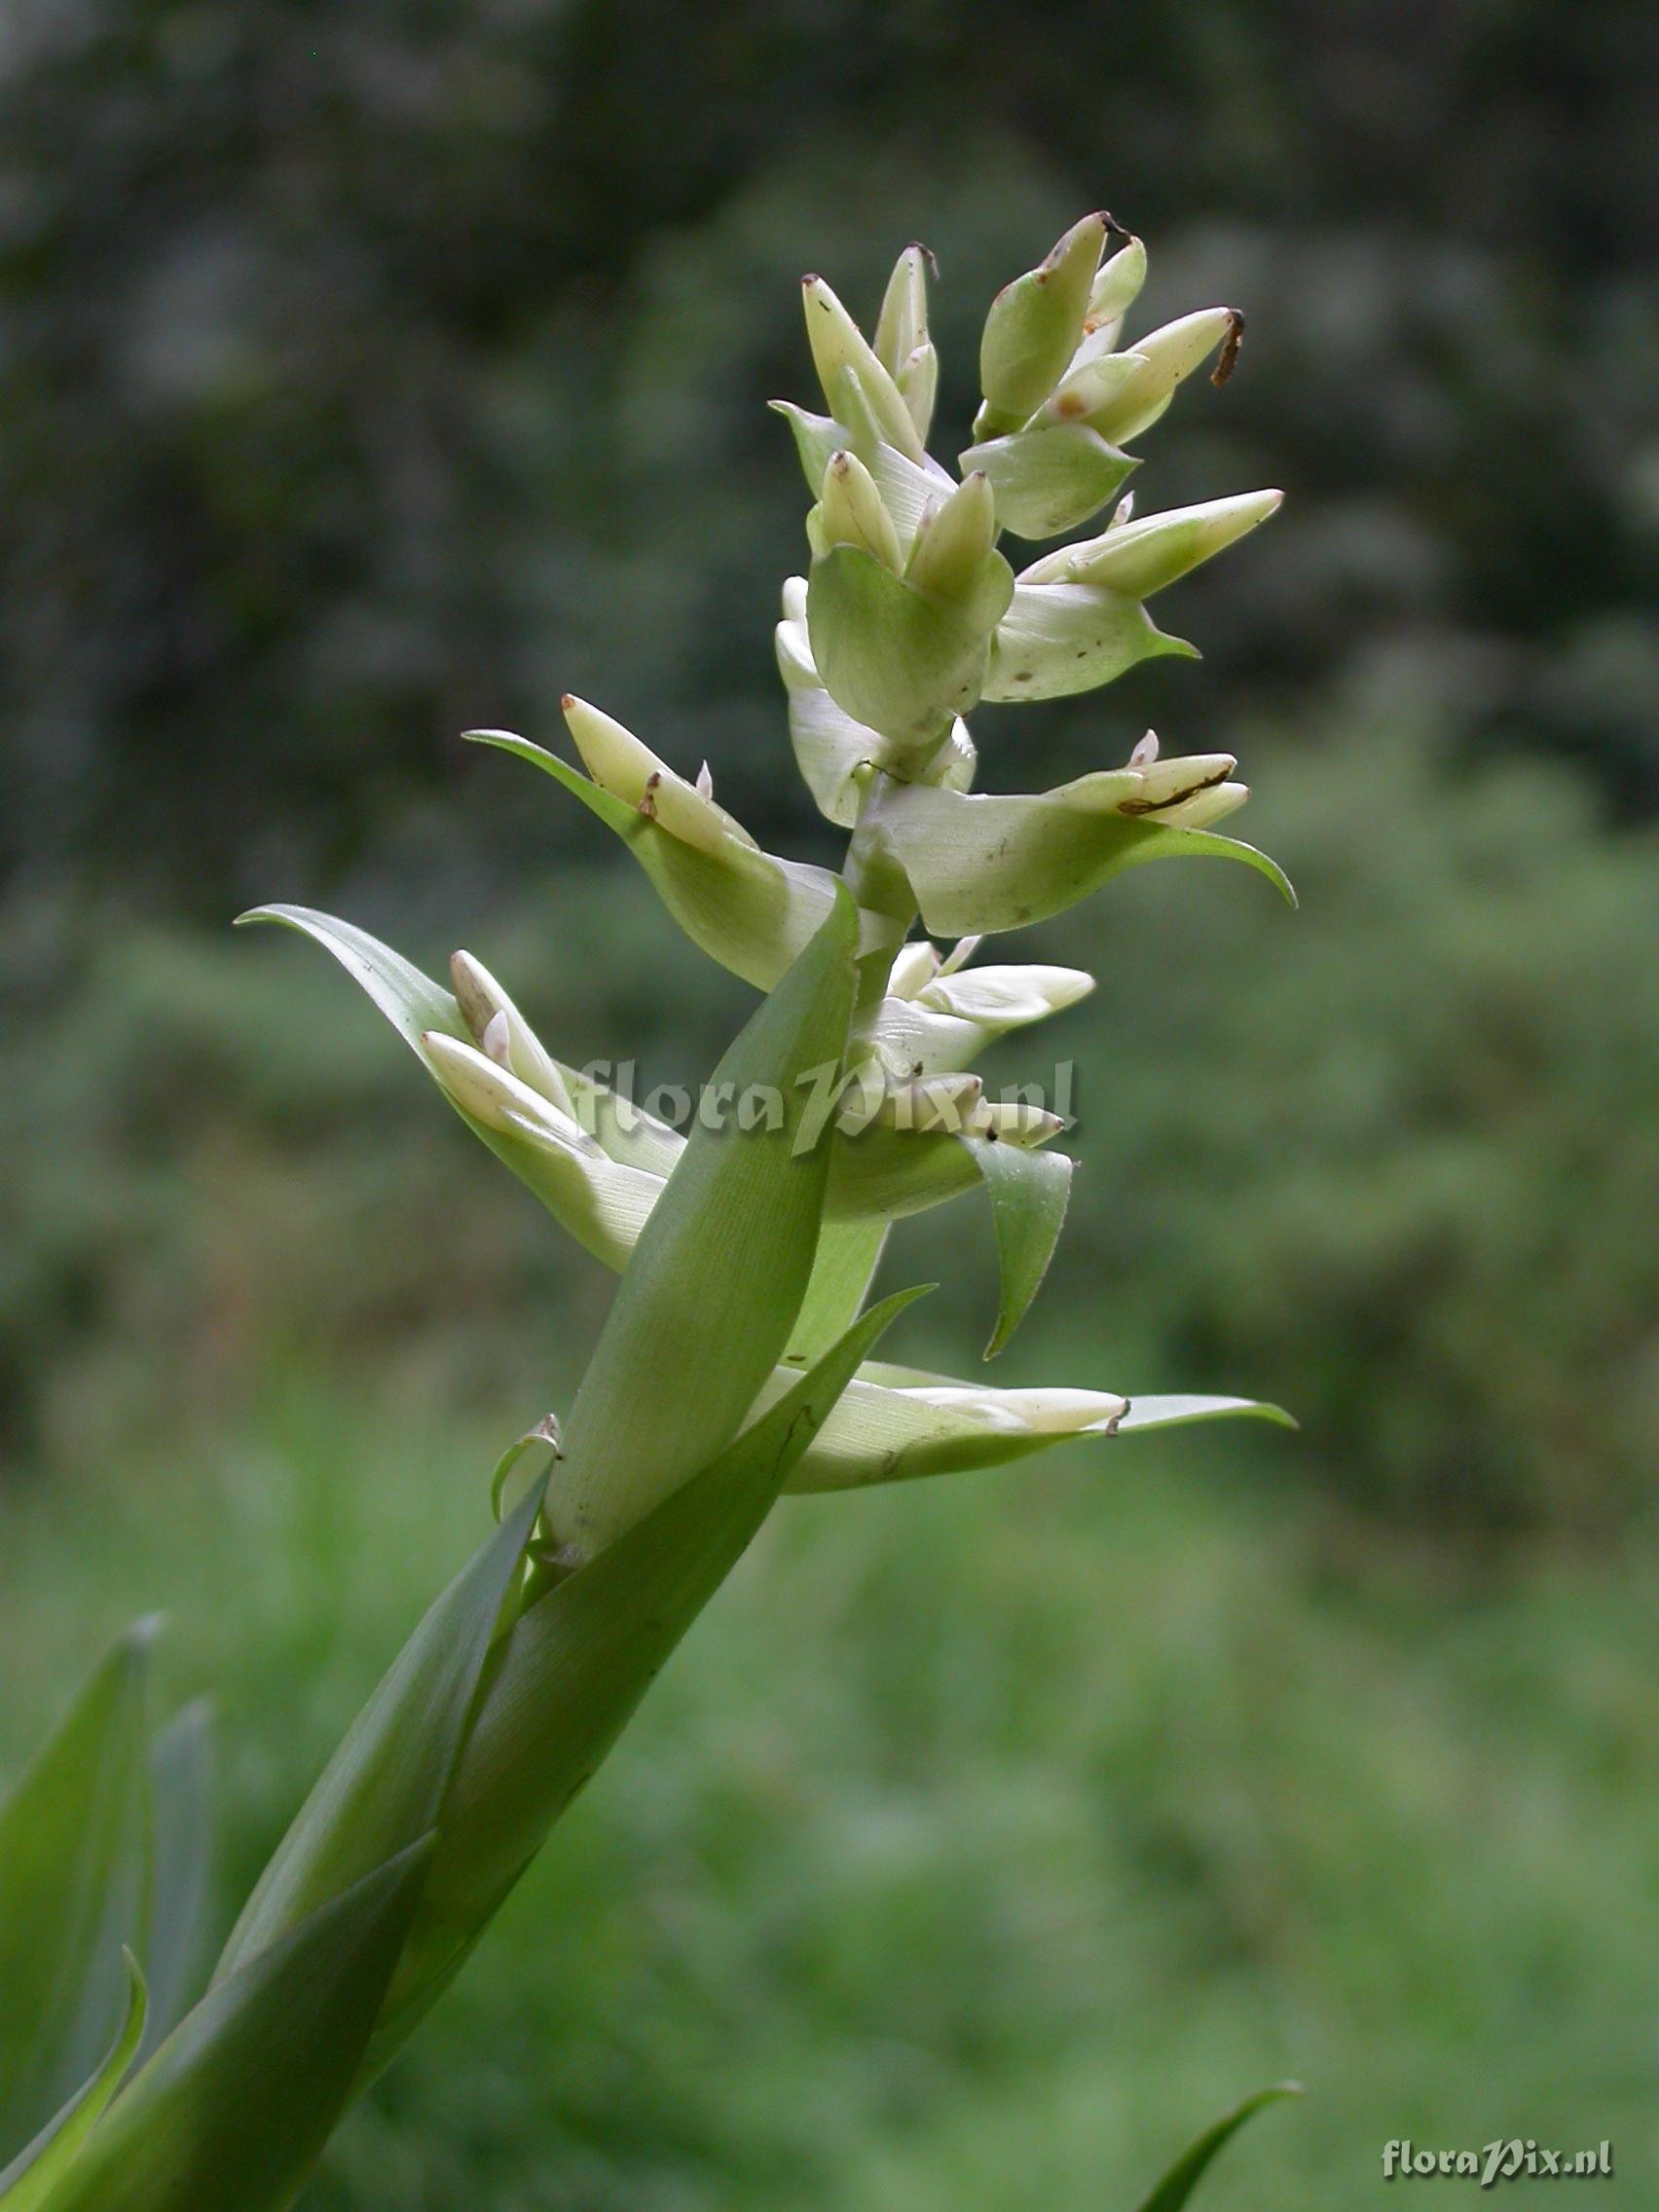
x=746, y=1246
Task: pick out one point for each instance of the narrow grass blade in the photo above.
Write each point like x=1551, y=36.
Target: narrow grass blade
x=28, y=2181
x=383, y=1787
x=231, y=2112
x=1184, y=2176
x=707, y=1304
x=73, y=1837
x=579, y=1661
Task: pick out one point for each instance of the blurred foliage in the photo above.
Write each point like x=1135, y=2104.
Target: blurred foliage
x=368, y=373
x=981, y=1833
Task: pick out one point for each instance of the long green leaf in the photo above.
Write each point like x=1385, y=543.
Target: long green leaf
x=383, y=1787
x=1184, y=2176
x=30, y=2178
x=978, y=861
x=73, y=1839
x=709, y=1300
x=179, y=1866
x=580, y=1658
x=233, y=2109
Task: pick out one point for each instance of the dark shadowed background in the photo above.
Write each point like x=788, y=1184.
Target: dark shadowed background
x=368, y=373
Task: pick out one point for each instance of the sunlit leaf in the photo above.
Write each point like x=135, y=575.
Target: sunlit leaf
x=1050, y=480
x=897, y=1424
x=842, y=1269
x=905, y=662
x=1059, y=638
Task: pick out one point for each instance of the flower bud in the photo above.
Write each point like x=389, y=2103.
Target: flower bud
x=746, y=908
x=1113, y=293
x=903, y=323
x=935, y=1018
x=837, y=344
x=956, y=541
x=1088, y=389
x=1033, y=329
x=901, y=342
x=1137, y=559
x=894, y=1425
x=1003, y=1121
x=502, y=1032
x=946, y=1102
x=489, y=1092
x=849, y=512
x=1168, y=354
x=996, y=999
x=615, y=759
x=914, y=965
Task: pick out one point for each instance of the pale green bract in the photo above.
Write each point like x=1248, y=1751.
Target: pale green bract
x=737, y=1359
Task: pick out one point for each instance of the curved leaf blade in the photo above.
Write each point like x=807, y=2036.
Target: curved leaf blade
x=28, y=2181
x=233, y=2109
x=581, y=1657
x=1181, y=1411
x=182, y=1839
x=1184, y=2176
x=73, y=1842
x=383, y=1788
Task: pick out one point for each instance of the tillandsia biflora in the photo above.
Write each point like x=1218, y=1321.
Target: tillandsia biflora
x=736, y=1361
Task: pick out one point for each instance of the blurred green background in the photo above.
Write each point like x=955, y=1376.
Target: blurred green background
x=368, y=373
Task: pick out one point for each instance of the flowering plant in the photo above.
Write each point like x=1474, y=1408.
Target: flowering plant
x=736, y=1360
